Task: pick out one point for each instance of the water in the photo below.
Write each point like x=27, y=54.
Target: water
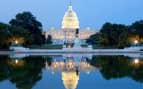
x=71, y=72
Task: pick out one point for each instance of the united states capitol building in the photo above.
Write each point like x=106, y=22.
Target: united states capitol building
x=68, y=30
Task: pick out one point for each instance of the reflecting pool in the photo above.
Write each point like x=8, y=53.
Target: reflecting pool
x=71, y=72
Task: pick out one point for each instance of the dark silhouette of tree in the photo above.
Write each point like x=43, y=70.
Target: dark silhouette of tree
x=136, y=29
x=49, y=39
x=111, y=35
x=27, y=21
x=4, y=35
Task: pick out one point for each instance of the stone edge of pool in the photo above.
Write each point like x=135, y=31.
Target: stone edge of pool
x=73, y=51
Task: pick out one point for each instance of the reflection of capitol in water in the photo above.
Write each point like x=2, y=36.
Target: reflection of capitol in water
x=70, y=69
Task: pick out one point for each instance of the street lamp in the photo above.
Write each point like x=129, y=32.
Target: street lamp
x=16, y=42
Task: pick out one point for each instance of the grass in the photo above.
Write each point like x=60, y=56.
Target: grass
x=46, y=46
x=103, y=47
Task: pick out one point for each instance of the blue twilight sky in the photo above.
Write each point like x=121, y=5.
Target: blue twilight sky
x=91, y=13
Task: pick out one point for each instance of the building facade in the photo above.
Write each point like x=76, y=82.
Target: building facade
x=70, y=25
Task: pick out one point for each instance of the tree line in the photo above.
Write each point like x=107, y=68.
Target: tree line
x=118, y=35
x=24, y=29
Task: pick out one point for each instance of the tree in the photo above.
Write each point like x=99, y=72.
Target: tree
x=27, y=21
x=112, y=35
x=49, y=39
x=4, y=35
x=115, y=33
x=136, y=30
x=19, y=34
x=93, y=39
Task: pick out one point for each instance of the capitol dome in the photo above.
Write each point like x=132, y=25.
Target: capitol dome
x=70, y=20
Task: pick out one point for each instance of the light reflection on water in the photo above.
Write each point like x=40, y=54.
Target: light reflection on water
x=71, y=72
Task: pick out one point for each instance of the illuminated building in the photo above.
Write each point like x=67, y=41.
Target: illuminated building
x=67, y=33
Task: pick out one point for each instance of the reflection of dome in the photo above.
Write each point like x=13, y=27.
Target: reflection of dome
x=70, y=19
x=70, y=79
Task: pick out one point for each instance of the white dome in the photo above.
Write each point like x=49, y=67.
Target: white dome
x=70, y=20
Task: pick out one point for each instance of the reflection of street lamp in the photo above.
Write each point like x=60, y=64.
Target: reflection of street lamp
x=136, y=61
x=136, y=42
x=16, y=61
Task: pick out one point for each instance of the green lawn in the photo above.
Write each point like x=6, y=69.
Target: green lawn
x=46, y=46
x=105, y=47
